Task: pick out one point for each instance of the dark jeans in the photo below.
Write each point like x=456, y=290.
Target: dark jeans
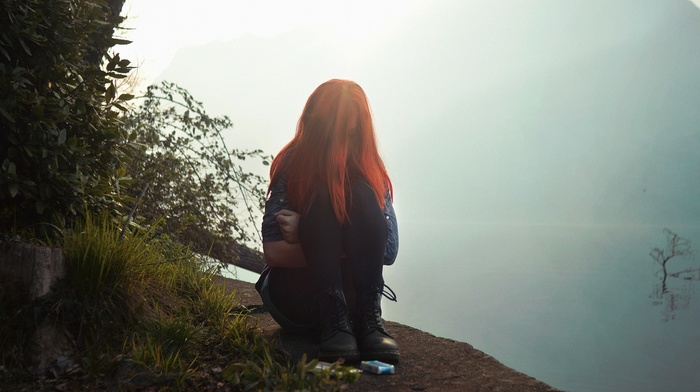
x=347, y=256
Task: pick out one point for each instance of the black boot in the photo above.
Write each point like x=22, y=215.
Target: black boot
x=372, y=338
x=336, y=337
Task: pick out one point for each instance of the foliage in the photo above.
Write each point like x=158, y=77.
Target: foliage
x=164, y=322
x=100, y=262
x=191, y=178
x=272, y=376
x=61, y=142
x=106, y=269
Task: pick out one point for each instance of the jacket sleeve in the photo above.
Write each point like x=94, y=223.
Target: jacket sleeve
x=276, y=201
x=392, y=241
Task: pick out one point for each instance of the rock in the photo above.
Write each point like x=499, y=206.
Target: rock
x=27, y=272
x=428, y=362
x=64, y=364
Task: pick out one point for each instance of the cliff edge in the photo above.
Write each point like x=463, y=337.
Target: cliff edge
x=428, y=362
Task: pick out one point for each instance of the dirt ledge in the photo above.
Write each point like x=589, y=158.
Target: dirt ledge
x=428, y=363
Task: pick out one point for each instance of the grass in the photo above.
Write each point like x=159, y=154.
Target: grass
x=145, y=315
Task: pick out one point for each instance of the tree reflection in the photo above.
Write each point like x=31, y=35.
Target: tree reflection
x=674, y=293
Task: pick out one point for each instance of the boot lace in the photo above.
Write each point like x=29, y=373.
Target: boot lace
x=337, y=312
x=373, y=314
x=388, y=293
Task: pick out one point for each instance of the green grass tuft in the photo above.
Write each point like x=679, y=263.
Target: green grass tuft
x=146, y=313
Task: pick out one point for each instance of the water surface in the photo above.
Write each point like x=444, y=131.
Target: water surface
x=572, y=306
x=575, y=307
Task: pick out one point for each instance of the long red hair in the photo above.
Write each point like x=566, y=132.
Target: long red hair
x=334, y=141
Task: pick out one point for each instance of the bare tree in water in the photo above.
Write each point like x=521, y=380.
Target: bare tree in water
x=676, y=247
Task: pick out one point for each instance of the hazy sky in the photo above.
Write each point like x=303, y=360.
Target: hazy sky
x=162, y=27
x=539, y=111
x=159, y=28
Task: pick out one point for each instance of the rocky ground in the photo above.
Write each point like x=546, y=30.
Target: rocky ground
x=428, y=363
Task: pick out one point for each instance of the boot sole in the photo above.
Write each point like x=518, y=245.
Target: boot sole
x=384, y=356
x=333, y=357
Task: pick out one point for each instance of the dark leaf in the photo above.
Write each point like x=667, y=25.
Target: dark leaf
x=119, y=41
x=6, y=115
x=13, y=188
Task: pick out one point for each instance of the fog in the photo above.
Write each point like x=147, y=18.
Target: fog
x=537, y=149
x=539, y=112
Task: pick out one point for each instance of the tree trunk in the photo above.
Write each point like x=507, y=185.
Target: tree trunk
x=243, y=257
x=27, y=273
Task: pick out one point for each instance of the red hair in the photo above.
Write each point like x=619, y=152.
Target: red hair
x=334, y=141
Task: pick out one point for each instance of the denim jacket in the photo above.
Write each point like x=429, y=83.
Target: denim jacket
x=277, y=200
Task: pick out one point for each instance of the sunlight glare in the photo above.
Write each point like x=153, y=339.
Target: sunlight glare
x=159, y=28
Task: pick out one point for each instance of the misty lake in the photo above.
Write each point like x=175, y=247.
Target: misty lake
x=537, y=150
x=576, y=307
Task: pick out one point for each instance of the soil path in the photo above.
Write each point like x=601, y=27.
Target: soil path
x=428, y=363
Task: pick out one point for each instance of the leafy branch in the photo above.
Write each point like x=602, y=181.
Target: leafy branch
x=61, y=141
x=197, y=184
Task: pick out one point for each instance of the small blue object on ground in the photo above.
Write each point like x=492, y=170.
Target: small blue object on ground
x=377, y=367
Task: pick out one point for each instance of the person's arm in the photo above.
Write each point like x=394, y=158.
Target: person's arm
x=286, y=253
x=282, y=254
x=288, y=222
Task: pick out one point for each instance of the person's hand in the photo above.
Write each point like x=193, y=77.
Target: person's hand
x=289, y=225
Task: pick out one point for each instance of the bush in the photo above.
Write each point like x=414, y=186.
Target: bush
x=62, y=145
x=191, y=178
